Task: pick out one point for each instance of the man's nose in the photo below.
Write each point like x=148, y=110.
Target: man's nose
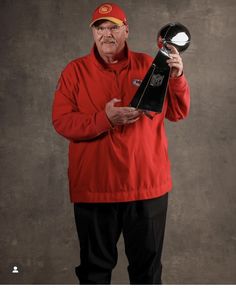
x=107, y=32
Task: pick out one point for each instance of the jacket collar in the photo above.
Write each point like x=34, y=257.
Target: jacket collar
x=98, y=61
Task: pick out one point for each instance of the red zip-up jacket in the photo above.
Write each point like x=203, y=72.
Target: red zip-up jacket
x=124, y=163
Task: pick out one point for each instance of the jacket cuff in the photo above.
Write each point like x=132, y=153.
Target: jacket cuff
x=178, y=82
x=102, y=123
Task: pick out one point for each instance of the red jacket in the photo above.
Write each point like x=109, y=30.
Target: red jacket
x=118, y=164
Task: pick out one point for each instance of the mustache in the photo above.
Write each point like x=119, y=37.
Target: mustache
x=108, y=40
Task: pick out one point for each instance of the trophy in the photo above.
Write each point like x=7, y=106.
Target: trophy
x=151, y=93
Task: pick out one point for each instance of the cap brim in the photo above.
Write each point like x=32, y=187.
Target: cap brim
x=112, y=19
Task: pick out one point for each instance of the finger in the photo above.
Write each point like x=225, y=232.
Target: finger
x=172, y=49
x=134, y=114
x=128, y=109
x=132, y=121
x=176, y=59
x=175, y=56
x=175, y=66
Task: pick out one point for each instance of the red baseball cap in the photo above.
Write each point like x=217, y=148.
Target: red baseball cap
x=109, y=11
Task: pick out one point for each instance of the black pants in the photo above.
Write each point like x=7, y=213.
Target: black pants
x=99, y=226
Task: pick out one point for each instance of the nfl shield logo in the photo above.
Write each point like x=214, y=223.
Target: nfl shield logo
x=156, y=80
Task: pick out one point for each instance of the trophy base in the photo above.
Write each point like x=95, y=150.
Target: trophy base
x=151, y=93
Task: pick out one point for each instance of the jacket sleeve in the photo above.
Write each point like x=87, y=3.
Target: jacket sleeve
x=178, y=98
x=67, y=120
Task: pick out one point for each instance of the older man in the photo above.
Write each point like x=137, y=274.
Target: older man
x=119, y=171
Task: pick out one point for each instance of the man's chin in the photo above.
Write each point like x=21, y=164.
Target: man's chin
x=108, y=46
x=109, y=50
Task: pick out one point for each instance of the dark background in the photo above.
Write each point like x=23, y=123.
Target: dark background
x=37, y=231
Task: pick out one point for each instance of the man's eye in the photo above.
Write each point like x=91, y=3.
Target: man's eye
x=114, y=28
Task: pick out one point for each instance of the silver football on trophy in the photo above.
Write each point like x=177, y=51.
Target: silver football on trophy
x=175, y=34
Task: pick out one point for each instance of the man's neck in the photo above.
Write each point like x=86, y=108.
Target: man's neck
x=111, y=59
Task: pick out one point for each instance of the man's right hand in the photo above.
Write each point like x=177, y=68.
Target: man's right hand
x=121, y=115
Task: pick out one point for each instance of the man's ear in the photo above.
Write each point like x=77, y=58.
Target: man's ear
x=127, y=30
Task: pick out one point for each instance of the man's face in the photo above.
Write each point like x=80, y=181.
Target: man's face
x=109, y=38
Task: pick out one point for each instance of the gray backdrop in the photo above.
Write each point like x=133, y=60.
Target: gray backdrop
x=37, y=231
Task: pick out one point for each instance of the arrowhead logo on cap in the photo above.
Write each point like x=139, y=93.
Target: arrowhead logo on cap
x=105, y=9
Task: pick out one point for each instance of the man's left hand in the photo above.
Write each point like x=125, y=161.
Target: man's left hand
x=175, y=62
